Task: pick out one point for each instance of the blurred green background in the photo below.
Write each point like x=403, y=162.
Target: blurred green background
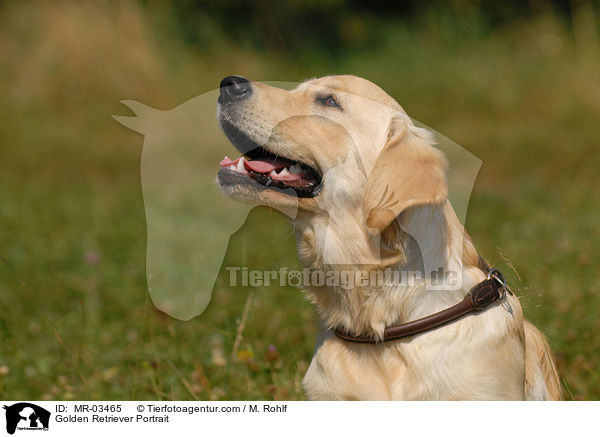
x=517, y=84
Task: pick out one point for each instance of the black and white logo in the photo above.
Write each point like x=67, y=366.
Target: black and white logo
x=27, y=417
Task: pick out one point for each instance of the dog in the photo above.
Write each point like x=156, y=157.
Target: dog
x=367, y=190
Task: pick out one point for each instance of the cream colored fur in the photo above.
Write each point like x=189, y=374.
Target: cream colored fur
x=384, y=205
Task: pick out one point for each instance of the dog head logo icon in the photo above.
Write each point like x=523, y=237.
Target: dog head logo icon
x=26, y=416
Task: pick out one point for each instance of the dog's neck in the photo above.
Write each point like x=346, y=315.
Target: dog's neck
x=391, y=278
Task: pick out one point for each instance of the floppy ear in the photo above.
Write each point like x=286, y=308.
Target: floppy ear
x=409, y=171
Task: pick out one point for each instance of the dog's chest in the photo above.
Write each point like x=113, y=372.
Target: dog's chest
x=340, y=371
x=461, y=361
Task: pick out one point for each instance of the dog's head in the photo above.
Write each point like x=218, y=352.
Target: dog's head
x=332, y=145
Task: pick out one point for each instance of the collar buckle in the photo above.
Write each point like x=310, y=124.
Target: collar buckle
x=499, y=277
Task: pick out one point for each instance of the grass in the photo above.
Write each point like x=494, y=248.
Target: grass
x=76, y=320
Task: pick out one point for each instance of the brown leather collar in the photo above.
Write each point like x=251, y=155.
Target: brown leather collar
x=480, y=297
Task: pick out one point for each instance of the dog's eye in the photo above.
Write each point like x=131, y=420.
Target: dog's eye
x=329, y=101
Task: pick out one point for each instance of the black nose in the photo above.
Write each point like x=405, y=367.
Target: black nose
x=234, y=88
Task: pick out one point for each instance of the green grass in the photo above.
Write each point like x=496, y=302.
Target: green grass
x=524, y=99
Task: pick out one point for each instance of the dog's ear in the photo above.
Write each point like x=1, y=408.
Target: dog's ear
x=409, y=171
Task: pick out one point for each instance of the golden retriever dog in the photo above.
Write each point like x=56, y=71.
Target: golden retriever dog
x=367, y=192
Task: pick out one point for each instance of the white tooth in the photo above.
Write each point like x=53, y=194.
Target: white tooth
x=284, y=172
x=273, y=173
x=240, y=165
x=295, y=169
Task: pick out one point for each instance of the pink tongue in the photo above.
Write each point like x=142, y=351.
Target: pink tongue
x=227, y=162
x=264, y=166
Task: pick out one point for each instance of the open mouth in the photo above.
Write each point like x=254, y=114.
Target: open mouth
x=271, y=170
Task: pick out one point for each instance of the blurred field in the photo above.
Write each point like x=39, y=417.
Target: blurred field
x=76, y=321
